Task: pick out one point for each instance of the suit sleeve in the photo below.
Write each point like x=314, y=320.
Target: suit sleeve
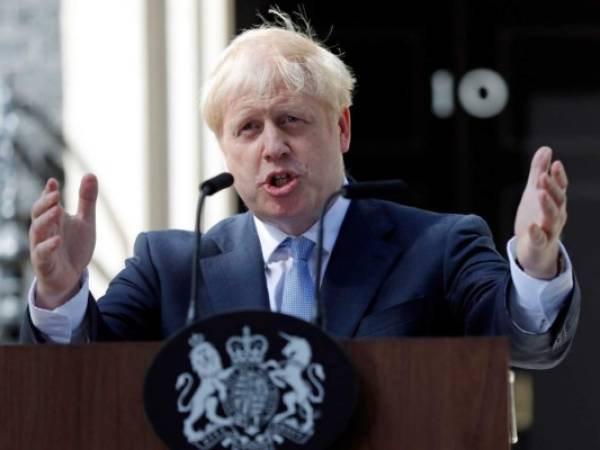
x=130, y=309
x=478, y=284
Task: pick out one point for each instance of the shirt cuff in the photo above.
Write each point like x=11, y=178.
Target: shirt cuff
x=534, y=304
x=58, y=324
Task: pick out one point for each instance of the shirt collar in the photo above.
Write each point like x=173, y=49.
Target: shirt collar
x=271, y=237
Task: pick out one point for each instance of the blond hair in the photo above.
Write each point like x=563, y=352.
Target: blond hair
x=275, y=55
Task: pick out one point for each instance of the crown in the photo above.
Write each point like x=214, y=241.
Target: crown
x=247, y=349
x=196, y=339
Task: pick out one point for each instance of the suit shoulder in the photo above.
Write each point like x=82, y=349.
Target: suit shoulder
x=173, y=240
x=404, y=213
x=225, y=226
x=230, y=226
x=166, y=237
x=162, y=244
x=418, y=220
x=173, y=243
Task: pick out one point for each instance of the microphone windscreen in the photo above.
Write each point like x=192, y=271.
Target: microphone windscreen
x=217, y=183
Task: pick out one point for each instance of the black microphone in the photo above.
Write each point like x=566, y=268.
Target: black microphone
x=384, y=189
x=209, y=187
x=217, y=183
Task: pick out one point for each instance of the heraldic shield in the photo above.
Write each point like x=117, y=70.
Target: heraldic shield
x=250, y=380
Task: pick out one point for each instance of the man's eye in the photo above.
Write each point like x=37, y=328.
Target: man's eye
x=290, y=120
x=248, y=127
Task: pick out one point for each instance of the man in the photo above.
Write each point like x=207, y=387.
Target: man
x=278, y=103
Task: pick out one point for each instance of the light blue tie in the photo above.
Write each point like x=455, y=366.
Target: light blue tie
x=298, y=289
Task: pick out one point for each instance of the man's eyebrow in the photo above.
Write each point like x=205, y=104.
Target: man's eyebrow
x=298, y=107
x=241, y=114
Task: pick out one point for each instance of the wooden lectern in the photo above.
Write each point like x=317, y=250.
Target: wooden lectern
x=416, y=394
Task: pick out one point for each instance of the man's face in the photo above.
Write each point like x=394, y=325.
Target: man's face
x=285, y=153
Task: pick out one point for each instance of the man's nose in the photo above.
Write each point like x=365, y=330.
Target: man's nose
x=275, y=143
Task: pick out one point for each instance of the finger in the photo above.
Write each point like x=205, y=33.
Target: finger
x=550, y=185
x=45, y=226
x=51, y=185
x=42, y=254
x=552, y=221
x=88, y=193
x=540, y=163
x=45, y=202
x=559, y=174
x=537, y=236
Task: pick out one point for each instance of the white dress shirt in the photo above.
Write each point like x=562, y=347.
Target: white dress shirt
x=278, y=260
x=534, y=304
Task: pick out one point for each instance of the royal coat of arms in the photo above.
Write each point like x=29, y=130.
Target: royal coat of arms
x=253, y=404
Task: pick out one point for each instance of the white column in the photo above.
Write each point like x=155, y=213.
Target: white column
x=132, y=76
x=183, y=68
x=197, y=31
x=217, y=29
x=105, y=88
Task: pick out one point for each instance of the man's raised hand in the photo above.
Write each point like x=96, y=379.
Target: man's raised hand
x=541, y=216
x=61, y=245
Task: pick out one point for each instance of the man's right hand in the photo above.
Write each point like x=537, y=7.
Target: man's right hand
x=61, y=245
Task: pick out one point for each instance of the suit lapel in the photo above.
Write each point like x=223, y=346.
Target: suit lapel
x=361, y=257
x=234, y=277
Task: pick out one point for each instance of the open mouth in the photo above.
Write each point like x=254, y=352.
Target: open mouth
x=280, y=180
x=281, y=183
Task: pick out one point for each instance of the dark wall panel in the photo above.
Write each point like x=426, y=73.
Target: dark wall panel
x=548, y=55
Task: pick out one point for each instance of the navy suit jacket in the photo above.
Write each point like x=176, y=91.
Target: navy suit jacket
x=394, y=271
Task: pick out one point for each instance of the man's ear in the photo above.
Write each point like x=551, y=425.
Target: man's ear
x=344, y=124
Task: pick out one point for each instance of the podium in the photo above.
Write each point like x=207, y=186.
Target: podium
x=415, y=394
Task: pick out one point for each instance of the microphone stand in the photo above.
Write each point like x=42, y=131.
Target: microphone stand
x=194, y=309
x=209, y=187
x=320, y=319
x=368, y=189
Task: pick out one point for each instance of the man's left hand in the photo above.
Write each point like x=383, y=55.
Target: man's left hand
x=541, y=216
